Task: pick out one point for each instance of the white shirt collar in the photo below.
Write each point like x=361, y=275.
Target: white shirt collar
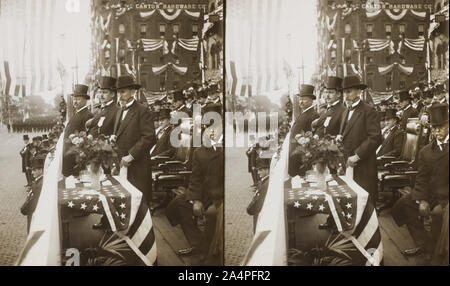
x=443, y=100
x=81, y=109
x=408, y=106
x=356, y=103
x=108, y=103
x=129, y=103
x=440, y=143
x=308, y=108
x=334, y=103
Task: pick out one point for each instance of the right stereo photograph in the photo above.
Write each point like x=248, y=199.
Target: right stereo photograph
x=336, y=133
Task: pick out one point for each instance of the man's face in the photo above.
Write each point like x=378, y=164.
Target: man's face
x=352, y=95
x=157, y=108
x=215, y=131
x=164, y=122
x=440, y=131
x=304, y=102
x=390, y=122
x=403, y=103
x=262, y=172
x=26, y=141
x=105, y=95
x=427, y=100
x=177, y=103
x=125, y=95
x=331, y=96
x=36, y=172
x=78, y=102
x=383, y=107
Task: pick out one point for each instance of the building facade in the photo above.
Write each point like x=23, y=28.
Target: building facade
x=213, y=42
x=158, y=43
x=385, y=43
x=438, y=34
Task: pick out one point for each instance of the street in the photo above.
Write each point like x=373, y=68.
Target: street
x=238, y=194
x=12, y=195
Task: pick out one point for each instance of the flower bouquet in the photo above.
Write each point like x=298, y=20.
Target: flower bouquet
x=322, y=153
x=93, y=154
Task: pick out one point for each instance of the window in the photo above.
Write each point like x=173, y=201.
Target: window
x=369, y=60
x=143, y=30
x=144, y=80
x=107, y=54
x=121, y=54
x=194, y=30
x=162, y=29
x=161, y=59
x=402, y=60
x=176, y=81
x=402, y=84
x=388, y=82
x=420, y=29
x=348, y=55
x=121, y=29
x=348, y=29
x=143, y=60
x=176, y=29
x=401, y=29
x=195, y=59
x=420, y=60
x=388, y=28
x=162, y=82
x=369, y=30
x=333, y=54
x=369, y=80
x=388, y=59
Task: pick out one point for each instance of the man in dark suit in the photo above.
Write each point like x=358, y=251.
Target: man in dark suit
x=392, y=136
x=76, y=124
x=103, y=121
x=204, y=193
x=361, y=136
x=407, y=111
x=163, y=147
x=23, y=154
x=430, y=194
x=302, y=124
x=179, y=103
x=135, y=135
x=330, y=122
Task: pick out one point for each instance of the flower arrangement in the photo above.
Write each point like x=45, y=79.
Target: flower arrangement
x=312, y=150
x=90, y=151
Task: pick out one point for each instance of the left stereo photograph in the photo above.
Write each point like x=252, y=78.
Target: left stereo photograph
x=111, y=133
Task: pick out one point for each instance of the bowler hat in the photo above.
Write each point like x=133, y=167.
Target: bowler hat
x=25, y=137
x=126, y=81
x=352, y=81
x=107, y=82
x=307, y=90
x=334, y=82
x=164, y=113
x=178, y=95
x=438, y=114
x=391, y=113
x=404, y=95
x=80, y=90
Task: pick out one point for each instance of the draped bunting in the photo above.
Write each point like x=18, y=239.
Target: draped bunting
x=178, y=69
x=192, y=14
x=415, y=44
x=150, y=45
x=188, y=44
x=387, y=69
x=347, y=11
x=332, y=24
x=356, y=70
x=170, y=17
x=145, y=15
x=376, y=45
x=399, y=16
x=131, y=70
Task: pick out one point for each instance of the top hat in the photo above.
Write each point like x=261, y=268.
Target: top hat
x=178, y=95
x=80, y=90
x=334, y=82
x=438, y=114
x=107, y=82
x=164, y=113
x=25, y=137
x=307, y=90
x=36, y=138
x=391, y=113
x=404, y=95
x=352, y=81
x=126, y=81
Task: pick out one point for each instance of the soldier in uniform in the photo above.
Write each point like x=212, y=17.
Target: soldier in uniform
x=302, y=124
x=407, y=111
x=23, y=154
x=103, y=122
x=430, y=194
x=76, y=124
x=263, y=168
x=330, y=122
x=392, y=136
x=204, y=193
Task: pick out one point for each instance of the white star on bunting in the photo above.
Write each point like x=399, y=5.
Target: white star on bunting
x=296, y=204
x=70, y=204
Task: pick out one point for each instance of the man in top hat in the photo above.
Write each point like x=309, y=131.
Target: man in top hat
x=330, y=122
x=135, y=135
x=205, y=190
x=407, y=111
x=430, y=193
x=103, y=122
x=392, y=136
x=361, y=136
x=76, y=124
x=302, y=123
x=163, y=147
x=179, y=104
x=213, y=91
